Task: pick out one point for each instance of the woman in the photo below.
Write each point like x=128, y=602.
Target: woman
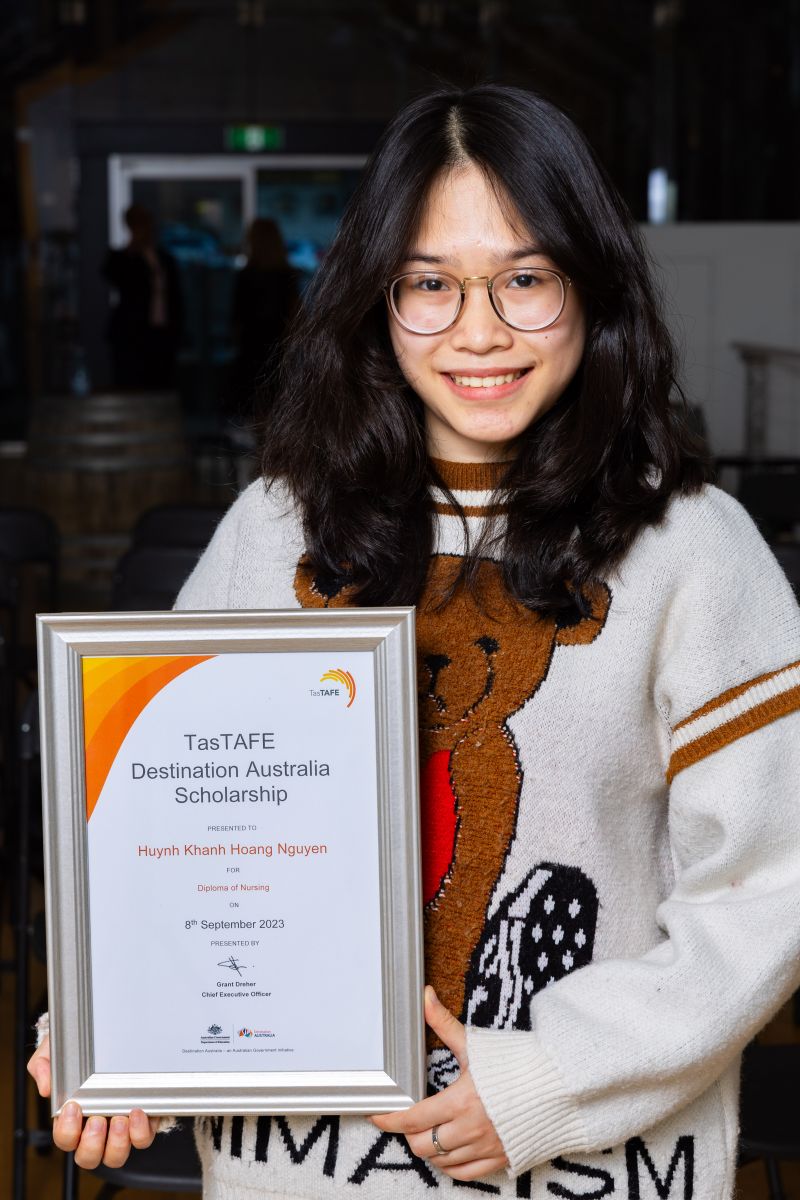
x=474, y=416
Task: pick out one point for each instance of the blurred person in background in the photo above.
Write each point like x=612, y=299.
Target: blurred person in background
x=147, y=314
x=265, y=298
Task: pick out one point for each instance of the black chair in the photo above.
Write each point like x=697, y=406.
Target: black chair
x=9, y=597
x=788, y=555
x=28, y=536
x=149, y=578
x=9, y=589
x=772, y=497
x=187, y=525
x=28, y=539
x=770, y=1129
x=170, y=1164
x=25, y=934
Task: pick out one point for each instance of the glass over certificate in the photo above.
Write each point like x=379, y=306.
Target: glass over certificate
x=231, y=834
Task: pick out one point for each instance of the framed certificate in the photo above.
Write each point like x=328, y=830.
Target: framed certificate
x=232, y=861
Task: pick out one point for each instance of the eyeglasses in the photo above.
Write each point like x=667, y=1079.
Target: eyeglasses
x=526, y=298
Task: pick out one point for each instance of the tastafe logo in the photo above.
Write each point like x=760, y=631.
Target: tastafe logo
x=343, y=677
x=488, y=949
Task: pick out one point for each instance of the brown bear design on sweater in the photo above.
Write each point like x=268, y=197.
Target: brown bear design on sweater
x=479, y=663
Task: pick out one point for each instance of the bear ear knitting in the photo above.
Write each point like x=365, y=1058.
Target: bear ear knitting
x=320, y=588
x=585, y=629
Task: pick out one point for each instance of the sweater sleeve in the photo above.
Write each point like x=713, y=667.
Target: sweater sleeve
x=623, y=1043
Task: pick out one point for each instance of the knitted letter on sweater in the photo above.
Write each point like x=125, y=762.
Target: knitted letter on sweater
x=610, y=855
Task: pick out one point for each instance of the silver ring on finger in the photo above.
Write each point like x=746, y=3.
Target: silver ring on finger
x=437, y=1145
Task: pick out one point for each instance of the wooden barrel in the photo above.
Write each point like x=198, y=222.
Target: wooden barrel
x=96, y=463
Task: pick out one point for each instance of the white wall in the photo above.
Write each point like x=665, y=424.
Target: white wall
x=725, y=283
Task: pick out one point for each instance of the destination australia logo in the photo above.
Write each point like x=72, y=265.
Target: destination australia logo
x=246, y=1032
x=341, y=683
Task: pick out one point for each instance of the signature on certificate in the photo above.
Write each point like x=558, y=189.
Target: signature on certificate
x=233, y=965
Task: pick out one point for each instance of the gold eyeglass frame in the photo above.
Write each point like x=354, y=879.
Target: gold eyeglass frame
x=489, y=280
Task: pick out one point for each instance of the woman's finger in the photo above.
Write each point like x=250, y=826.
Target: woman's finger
x=462, y=1142
x=118, y=1142
x=433, y=1110
x=67, y=1127
x=92, y=1145
x=100, y=1140
x=446, y=1026
x=142, y=1129
x=477, y=1169
x=452, y=1134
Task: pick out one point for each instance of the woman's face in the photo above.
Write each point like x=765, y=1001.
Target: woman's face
x=464, y=230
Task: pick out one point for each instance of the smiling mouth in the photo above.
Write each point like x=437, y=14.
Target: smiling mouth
x=487, y=381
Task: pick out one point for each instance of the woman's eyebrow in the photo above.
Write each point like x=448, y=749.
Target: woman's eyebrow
x=525, y=252
x=417, y=256
x=507, y=255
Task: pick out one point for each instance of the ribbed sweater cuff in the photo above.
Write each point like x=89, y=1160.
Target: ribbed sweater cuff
x=524, y=1095
x=42, y=1028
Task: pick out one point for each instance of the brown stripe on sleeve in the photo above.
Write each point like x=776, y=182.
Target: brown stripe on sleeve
x=754, y=718
x=732, y=694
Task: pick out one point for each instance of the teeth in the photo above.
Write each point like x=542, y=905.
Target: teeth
x=477, y=381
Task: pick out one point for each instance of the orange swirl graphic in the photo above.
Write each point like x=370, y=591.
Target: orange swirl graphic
x=340, y=676
x=115, y=691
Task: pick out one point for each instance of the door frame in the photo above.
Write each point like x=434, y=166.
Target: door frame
x=123, y=169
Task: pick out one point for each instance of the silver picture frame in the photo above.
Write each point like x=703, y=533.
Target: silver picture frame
x=388, y=635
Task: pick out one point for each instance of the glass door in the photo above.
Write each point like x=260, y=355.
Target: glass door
x=203, y=206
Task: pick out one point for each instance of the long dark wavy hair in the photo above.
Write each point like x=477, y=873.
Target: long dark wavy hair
x=347, y=431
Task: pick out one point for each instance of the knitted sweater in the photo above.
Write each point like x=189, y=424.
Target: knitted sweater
x=611, y=853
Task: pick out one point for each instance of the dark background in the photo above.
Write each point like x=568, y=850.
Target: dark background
x=707, y=90
x=213, y=112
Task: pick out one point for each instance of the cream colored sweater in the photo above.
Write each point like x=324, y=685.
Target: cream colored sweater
x=611, y=857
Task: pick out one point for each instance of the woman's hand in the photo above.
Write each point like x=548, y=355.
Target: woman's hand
x=100, y=1139
x=468, y=1138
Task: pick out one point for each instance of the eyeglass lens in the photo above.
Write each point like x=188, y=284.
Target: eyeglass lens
x=427, y=302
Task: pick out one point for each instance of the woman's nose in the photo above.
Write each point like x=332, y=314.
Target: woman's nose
x=479, y=328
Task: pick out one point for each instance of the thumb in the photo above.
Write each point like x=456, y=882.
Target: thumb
x=446, y=1027
x=39, y=1068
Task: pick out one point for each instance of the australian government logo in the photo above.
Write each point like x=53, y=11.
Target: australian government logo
x=341, y=683
x=215, y=1036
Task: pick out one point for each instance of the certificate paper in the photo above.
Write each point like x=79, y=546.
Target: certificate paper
x=232, y=874
x=233, y=855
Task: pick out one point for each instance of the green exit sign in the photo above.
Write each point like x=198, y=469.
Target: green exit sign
x=254, y=138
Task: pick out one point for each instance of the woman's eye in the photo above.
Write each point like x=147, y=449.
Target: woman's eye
x=431, y=285
x=525, y=279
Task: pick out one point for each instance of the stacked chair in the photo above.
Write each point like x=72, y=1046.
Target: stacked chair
x=29, y=547
x=772, y=497
x=28, y=573
x=166, y=544
x=770, y=1129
